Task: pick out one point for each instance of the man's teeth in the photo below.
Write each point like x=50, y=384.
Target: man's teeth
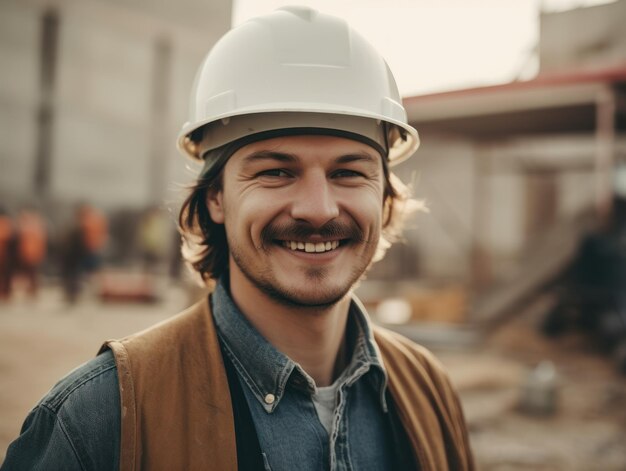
x=311, y=247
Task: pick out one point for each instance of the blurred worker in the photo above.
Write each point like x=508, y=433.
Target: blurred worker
x=32, y=240
x=72, y=252
x=94, y=230
x=153, y=236
x=297, y=119
x=7, y=253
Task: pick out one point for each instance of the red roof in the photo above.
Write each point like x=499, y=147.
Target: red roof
x=611, y=74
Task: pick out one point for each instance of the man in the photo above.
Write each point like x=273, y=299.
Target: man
x=297, y=120
x=31, y=248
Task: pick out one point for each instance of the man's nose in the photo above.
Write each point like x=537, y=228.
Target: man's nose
x=314, y=201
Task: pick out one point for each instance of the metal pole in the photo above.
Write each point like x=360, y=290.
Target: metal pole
x=480, y=259
x=160, y=110
x=45, y=112
x=605, y=153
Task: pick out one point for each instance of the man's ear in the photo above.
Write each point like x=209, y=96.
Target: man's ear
x=216, y=206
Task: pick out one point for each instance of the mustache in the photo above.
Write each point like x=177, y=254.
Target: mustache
x=299, y=230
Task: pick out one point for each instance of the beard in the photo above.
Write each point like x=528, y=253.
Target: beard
x=327, y=293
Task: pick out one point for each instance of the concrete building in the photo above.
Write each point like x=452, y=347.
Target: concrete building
x=513, y=174
x=92, y=95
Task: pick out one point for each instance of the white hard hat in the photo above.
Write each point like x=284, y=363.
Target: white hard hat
x=296, y=68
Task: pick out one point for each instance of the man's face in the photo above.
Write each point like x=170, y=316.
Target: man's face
x=302, y=214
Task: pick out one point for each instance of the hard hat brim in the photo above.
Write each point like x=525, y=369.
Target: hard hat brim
x=215, y=133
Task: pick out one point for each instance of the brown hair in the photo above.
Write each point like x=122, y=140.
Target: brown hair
x=204, y=243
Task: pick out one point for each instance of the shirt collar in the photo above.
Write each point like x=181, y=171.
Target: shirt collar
x=267, y=371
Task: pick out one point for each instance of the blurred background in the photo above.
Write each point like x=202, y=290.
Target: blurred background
x=516, y=275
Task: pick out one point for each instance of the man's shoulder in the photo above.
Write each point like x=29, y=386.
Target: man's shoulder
x=171, y=332
x=400, y=348
x=426, y=398
x=411, y=364
x=76, y=425
x=183, y=341
x=88, y=383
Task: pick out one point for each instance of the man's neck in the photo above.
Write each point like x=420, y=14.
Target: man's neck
x=313, y=337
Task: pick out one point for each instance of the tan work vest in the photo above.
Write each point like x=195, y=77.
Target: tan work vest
x=177, y=414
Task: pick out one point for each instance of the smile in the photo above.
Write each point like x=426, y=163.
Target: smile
x=311, y=247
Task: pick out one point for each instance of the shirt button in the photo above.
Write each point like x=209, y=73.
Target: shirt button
x=270, y=398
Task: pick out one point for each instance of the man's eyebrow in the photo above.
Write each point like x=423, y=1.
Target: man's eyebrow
x=355, y=157
x=269, y=155
x=291, y=158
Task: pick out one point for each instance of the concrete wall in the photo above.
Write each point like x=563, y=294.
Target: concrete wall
x=445, y=179
x=19, y=61
x=584, y=37
x=497, y=197
x=436, y=242
x=123, y=71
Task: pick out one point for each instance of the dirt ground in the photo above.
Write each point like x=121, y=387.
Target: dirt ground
x=41, y=340
x=586, y=431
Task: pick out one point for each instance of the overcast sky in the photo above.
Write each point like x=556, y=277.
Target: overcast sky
x=437, y=45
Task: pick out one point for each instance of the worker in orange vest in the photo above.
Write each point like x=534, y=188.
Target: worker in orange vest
x=32, y=242
x=94, y=229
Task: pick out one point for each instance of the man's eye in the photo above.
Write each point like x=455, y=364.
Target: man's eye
x=274, y=172
x=347, y=174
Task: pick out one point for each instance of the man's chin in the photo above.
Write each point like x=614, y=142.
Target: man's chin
x=316, y=298
x=309, y=288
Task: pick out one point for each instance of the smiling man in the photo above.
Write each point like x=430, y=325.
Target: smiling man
x=297, y=120
x=302, y=219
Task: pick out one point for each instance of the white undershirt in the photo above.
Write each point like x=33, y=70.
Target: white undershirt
x=324, y=401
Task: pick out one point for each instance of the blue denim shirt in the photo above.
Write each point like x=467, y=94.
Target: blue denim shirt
x=76, y=426
x=289, y=431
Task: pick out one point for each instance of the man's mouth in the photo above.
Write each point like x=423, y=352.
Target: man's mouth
x=311, y=247
x=299, y=236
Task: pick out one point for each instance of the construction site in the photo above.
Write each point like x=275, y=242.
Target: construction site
x=513, y=273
